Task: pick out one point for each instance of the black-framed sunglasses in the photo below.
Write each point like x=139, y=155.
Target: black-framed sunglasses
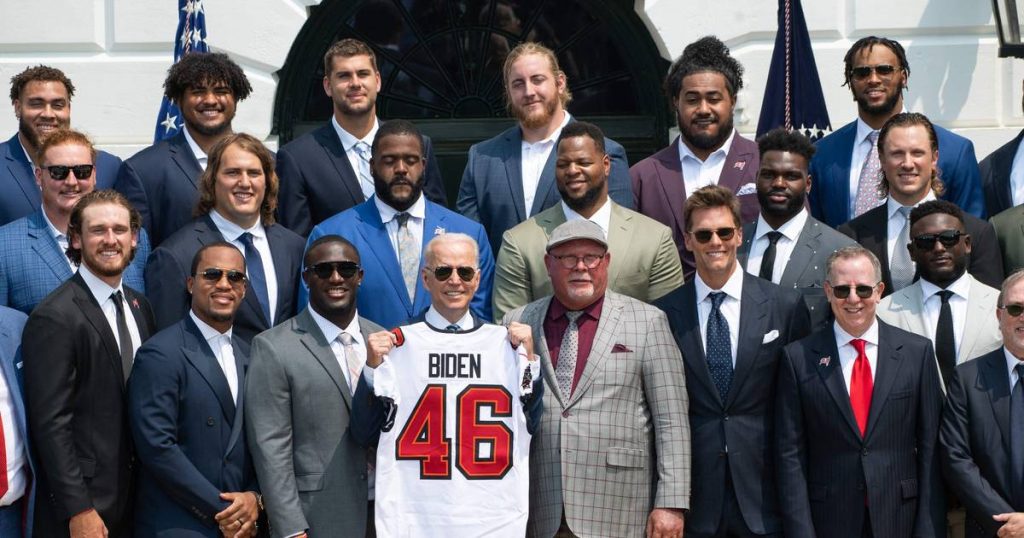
x=59, y=172
x=325, y=270
x=862, y=72
x=214, y=274
x=703, y=236
x=570, y=261
x=1014, y=310
x=443, y=272
x=948, y=238
x=863, y=291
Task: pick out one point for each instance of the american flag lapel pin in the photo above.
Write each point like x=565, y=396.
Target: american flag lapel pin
x=740, y=165
x=439, y=231
x=825, y=361
x=135, y=303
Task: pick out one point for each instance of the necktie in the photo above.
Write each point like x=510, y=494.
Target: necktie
x=566, y=368
x=408, y=254
x=352, y=361
x=453, y=328
x=870, y=178
x=768, y=260
x=901, y=267
x=719, y=346
x=365, y=178
x=1017, y=439
x=257, y=277
x=124, y=337
x=861, y=386
x=945, y=344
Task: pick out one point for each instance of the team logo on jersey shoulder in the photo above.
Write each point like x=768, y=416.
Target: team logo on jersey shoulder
x=399, y=337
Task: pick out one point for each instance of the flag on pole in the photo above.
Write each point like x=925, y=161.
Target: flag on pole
x=190, y=37
x=793, y=97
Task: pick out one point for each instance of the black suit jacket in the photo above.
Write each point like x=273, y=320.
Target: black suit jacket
x=170, y=264
x=744, y=422
x=995, y=176
x=318, y=182
x=75, y=398
x=829, y=476
x=975, y=441
x=986, y=265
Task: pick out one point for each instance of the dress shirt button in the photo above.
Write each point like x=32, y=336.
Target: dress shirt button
x=566, y=414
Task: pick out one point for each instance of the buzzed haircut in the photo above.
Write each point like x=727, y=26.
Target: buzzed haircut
x=581, y=128
x=208, y=246
x=347, y=48
x=869, y=43
x=205, y=67
x=41, y=73
x=932, y=207
x=706, y=54
x=781, y=139
x=62, y=137
x=394, y=128
x=325, y=239
x=709, y=197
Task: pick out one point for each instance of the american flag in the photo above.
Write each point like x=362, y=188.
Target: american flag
x=190, y=37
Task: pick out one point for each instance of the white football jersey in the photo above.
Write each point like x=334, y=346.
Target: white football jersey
x=454, y=462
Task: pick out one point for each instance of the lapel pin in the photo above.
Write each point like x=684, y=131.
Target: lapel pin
x=825, y=361
x=135, y=303
x=740, y=165
x=439, y=231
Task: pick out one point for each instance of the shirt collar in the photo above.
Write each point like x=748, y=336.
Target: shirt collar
x=209, y=333
x=53, y=229
x=960, y=287
x=566, y=118
x=388, y=213
x=331, y=331
x=685, y=151
x=602, y=217
x=99, y=289
x=733, y=287
x=843, y=338
x=863, y=129
x=791, y=228
x=27, y=156
x=892, y=206
x=196, y=150
x=232, y=231
x=557, y=310
x=1011, y=362
x=435, y=319
x=348, y=139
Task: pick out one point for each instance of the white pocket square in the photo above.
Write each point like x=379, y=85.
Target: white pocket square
x=770, y=336
x=749, y=188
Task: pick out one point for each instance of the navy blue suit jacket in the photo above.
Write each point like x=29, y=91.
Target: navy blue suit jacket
x=383, y=298
x=20, y=192
x=830, y=194
x=171, y=264
x=188, y=433
x=491, y=191
x=995, y=176
x=744, y=422
x=12, y=323
x=318, y=182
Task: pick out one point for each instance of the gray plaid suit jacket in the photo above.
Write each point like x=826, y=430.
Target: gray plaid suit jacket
x=621, y=445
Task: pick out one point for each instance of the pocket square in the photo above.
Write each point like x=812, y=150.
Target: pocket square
x=749, y=188
x=619, y=348
x=770, y=336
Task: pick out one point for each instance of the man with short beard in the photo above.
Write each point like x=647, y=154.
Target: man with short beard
x=702, y=85
x=41, y=96
x=161, y=180
x=846, y=166
x=391, y=227
x=644, y=263
x=520, y=161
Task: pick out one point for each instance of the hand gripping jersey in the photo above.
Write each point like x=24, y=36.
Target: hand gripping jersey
x=454, y=461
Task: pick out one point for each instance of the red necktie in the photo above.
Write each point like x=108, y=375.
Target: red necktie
x=860, y=386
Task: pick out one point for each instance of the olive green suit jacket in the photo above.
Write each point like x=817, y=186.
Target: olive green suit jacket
x=1009, y=227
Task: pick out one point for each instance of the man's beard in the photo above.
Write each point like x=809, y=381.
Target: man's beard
x=26, y=130
x=587, y=201
x=539, y=118
x=884, y=108
x=383, y=191
x=707, y=141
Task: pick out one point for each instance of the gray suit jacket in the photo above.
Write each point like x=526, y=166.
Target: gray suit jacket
x=805, y=269
x=621, y=445
x=313, y=476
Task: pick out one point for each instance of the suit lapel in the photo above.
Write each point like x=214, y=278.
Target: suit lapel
x=670, y=175
x=241, y=368
x=839, y=172
x=547, y=192
x=434, y=223
x=328, y=139
x=996, y=382
x=807, y=243
x=620, y=232
x=533, y=315
x=831, y=373
x=46, y=247
x=911, y=299
x=22, y=172
x=601, y=350
x=736, y=162
x=318, y=346
x=132, y=299
x=888, y=365
x=376, y=237
x=282, y=263
x=754, y=309
x=873, y=235
x=94, y=315
x=976, y=311
x=182, y=155
x=198, y=353
x=692, y=340
x=514, y=169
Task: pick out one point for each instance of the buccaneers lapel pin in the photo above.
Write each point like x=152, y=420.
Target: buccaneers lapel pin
x=439, y=231
x=825, y=361
x=740, y=165
x=135, y=303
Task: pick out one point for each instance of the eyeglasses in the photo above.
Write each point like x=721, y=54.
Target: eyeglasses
x=862, y=72
x=570, y=261
x=325, y=270
x=59, y=172
x=948, y=238
x=863, y=291
x=443, y=272
x=703, y=236
x=1014, y=310
x=214, y=274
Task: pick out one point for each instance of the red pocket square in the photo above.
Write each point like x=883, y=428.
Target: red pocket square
x=619, y=348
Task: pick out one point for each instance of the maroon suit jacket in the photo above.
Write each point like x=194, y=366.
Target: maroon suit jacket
x=659, y=192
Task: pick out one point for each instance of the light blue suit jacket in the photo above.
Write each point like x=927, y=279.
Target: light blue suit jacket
x=11, y=324
x=383, y=298
x=32, y=264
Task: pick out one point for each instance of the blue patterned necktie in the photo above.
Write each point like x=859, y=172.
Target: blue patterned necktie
x=719, y=346
x=257, y=278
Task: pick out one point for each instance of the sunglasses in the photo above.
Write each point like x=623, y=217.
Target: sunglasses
x=948, y=238
x=443, y=272
x=862, y=72
x=214, y=274
x=863, y=291
x=570, y=261
x=1014, y=310
x=703, y=236
x=59, y=172
x=325, y=270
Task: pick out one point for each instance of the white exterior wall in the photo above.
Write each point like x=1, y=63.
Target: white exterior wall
x=117, y=53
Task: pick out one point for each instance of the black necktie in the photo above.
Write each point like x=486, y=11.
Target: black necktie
x=257, y=277
x=945, y=344
x=768, y=260
x=1017, y=440
x=123, y=336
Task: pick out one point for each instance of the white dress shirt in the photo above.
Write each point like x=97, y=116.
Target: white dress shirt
x=196, y=150
x=848, y=353
x=698, y=173
x=730, y=308
x=1017, y=176
x=331, y=332
x=348, y=143
x=896, y=221
x=417, y=214
x=14, y=447
x=961, y=289
x=101, y=291
x=602, y=217
x=232, y=232
x=28, y=157
x=61, y=238
x=783, y=248
x=1011, y=365
x=533, y=158
x=223, y=350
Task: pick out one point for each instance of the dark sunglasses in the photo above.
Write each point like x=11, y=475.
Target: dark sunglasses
x=862, y=72
x=948, y=238
x=1014, y=310
x=703, y=236
x=214, y=274
x=59, y=172
x=443, y=272
x=325, y=270
x=863, y=291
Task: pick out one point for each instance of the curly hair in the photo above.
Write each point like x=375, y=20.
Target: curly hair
x=531, y=47
x=780, y=139
x=105, y=196
x=706, y=54
x=208, y=181
x=42, y=73
x=210, y=67
x=932, y=207
x=582, y=128
x=910, y=119
x=869, y=43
